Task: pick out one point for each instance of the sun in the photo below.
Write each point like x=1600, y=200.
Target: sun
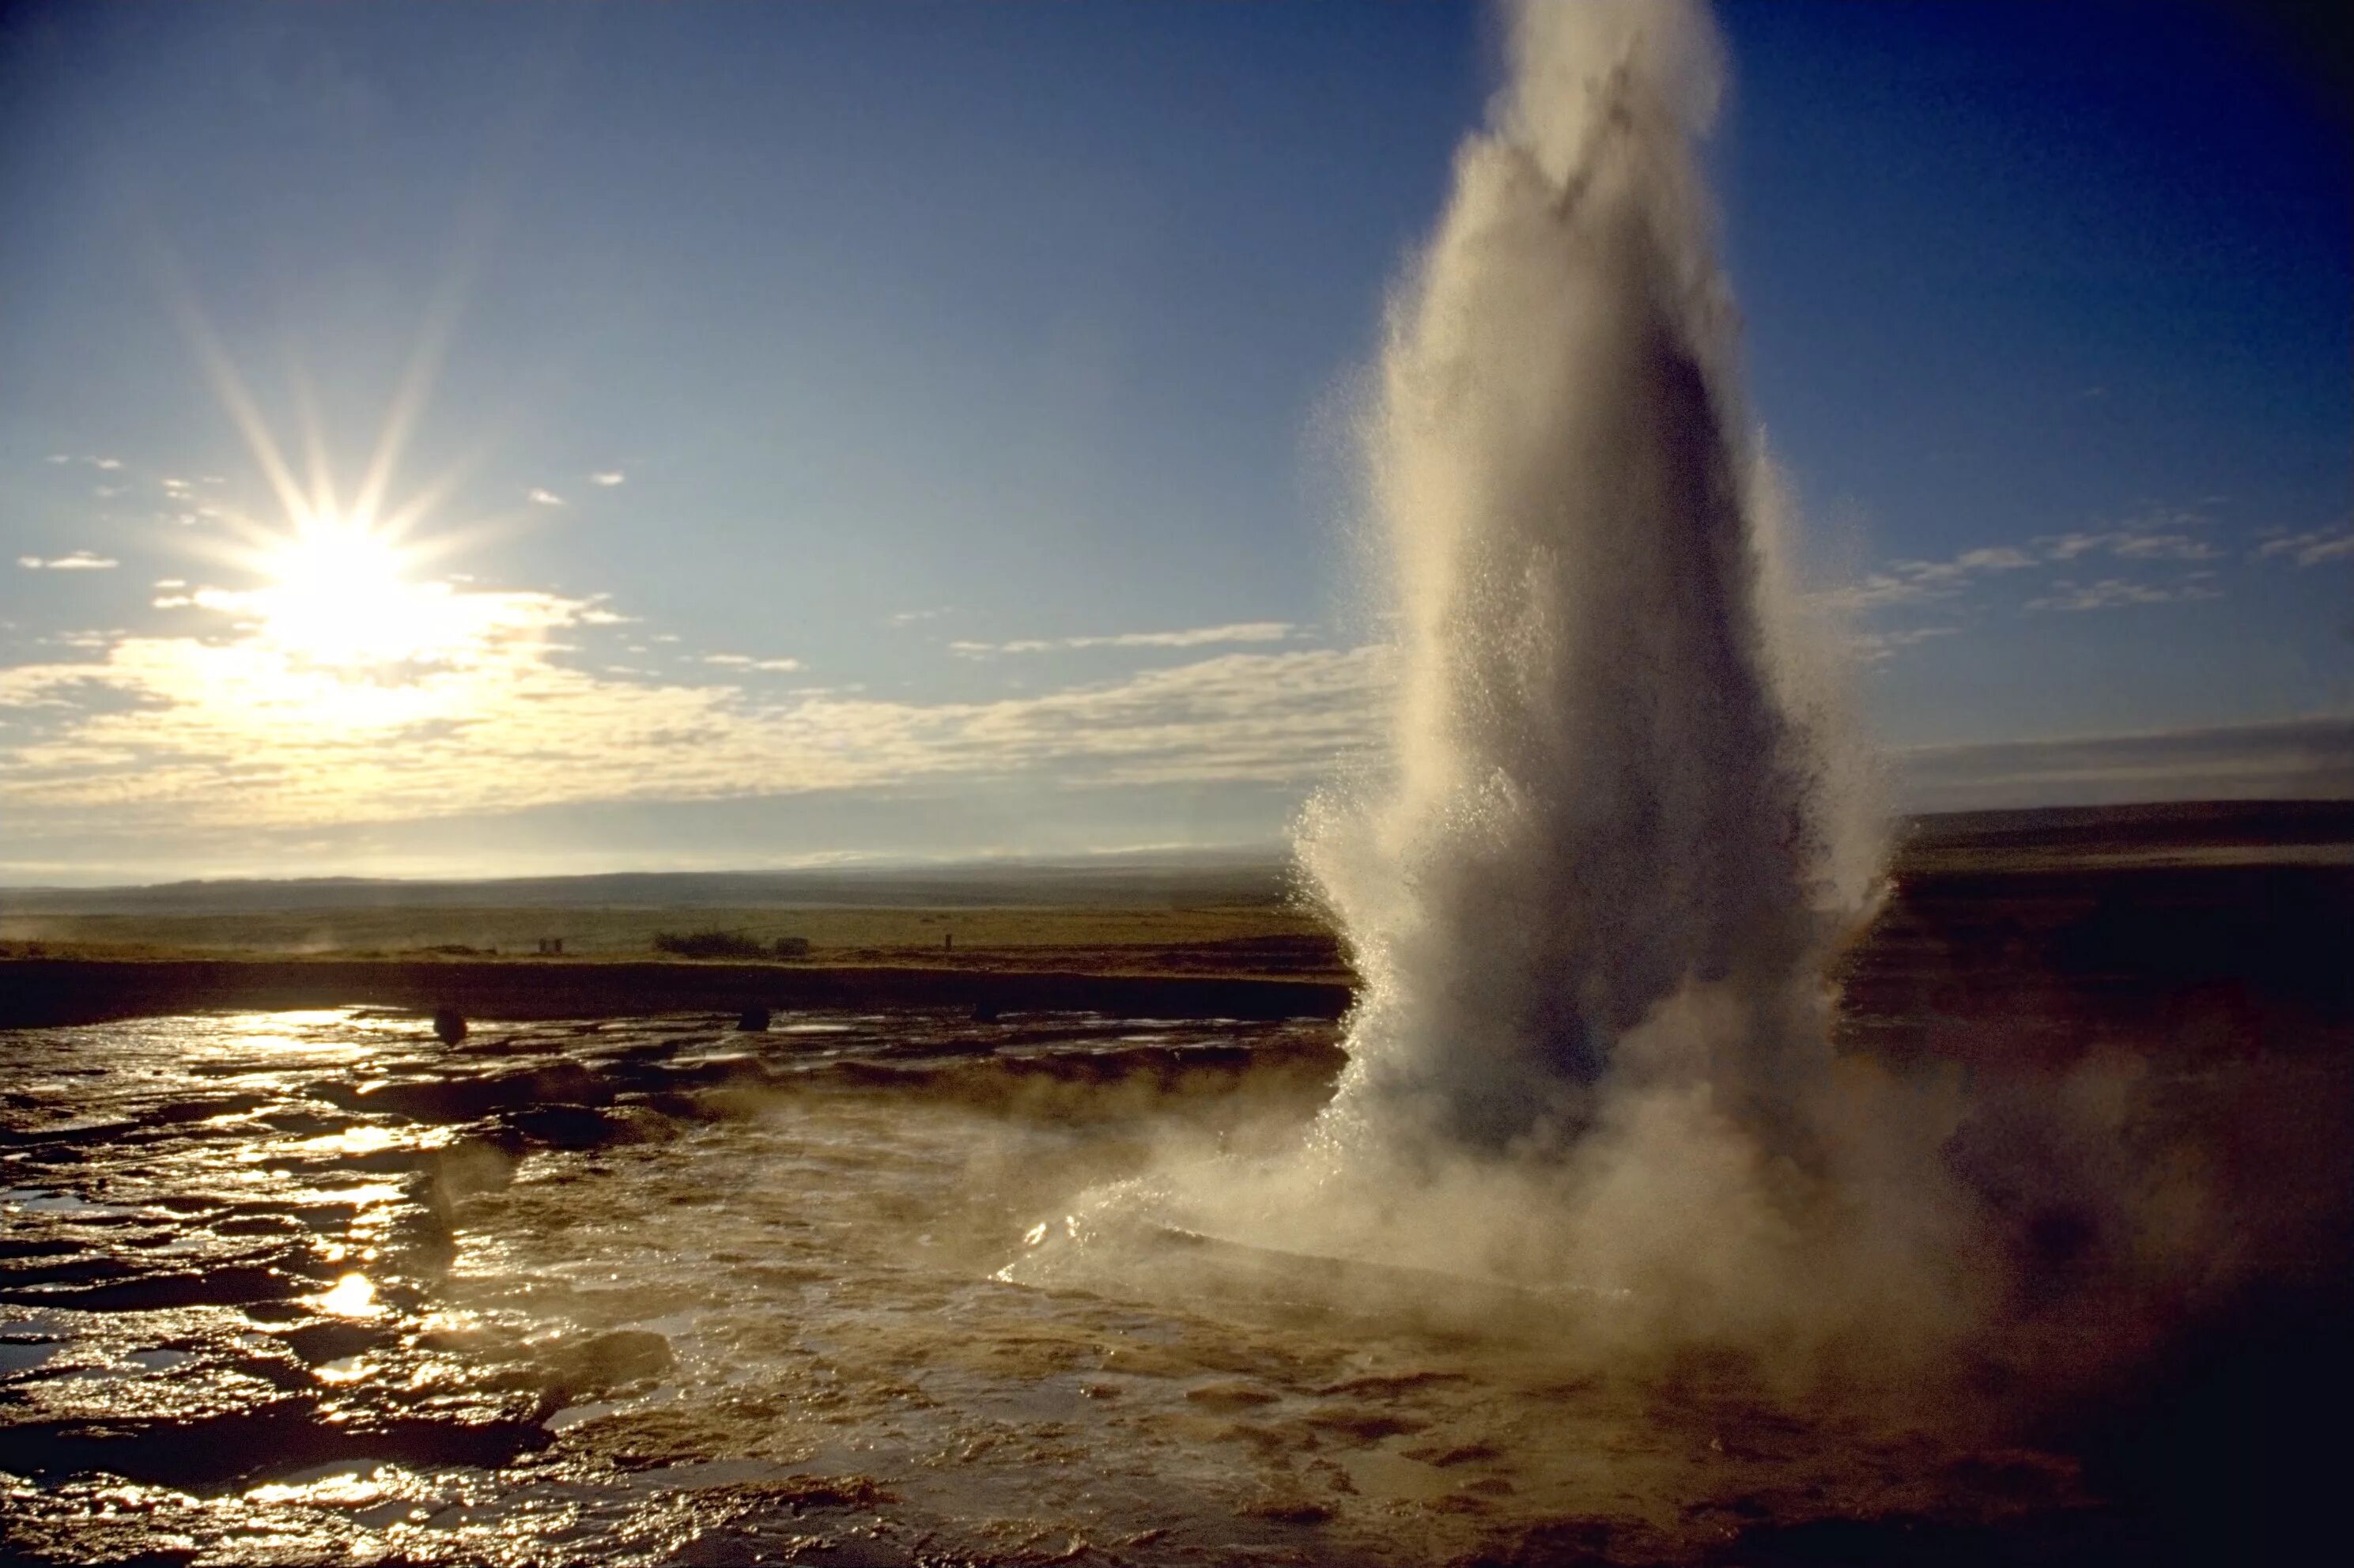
x=338, y=595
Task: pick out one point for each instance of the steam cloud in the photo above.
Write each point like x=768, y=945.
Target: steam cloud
x=1609, y=792
x=1624, y=828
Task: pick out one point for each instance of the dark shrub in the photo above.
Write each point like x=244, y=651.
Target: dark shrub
x=709, y=945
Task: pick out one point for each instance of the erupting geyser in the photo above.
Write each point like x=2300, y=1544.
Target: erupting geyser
x=1611, y=790
x=1622, y=830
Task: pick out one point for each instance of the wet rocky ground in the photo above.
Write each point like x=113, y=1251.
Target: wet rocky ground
x=240, y=1318
x=312, y=1288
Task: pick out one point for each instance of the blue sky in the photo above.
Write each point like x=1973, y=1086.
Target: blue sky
x=898, y=430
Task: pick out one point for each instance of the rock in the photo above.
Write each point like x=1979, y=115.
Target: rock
x=449, y=1024
x=465, y=1096
x=579, y=1127
x=1229, y=1395
x=327, y=1341
x=605, y=1362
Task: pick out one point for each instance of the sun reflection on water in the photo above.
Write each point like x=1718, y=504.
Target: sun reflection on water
x=351, y=1297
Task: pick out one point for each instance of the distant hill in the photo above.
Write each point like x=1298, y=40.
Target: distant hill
x=1138, y=881
x=2170, y=825
x=1109, y=881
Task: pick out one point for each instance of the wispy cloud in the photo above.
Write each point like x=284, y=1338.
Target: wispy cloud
x=78, y=561
x=216, y=728
x=2311, y=548
x=911, y=617
x=1919, y=582
x=544, y=498
x=2163, y=547
x=1193, y=637
x=1875, y=590
x=1968, y=564
x=2068, y=547
x=2284, y=759
x=1874, y=647
x=2159, y=535
x=2126, y=544
x=609, y=478
x=2114, y=593
x=745, y=662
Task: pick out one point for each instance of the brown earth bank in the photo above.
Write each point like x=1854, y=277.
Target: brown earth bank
x=36, y=992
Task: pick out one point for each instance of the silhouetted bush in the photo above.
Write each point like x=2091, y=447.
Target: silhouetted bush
x=709, y=945
x=792, y=947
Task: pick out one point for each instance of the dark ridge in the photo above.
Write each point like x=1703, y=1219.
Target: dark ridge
x=37, y=992
x=2164, y=825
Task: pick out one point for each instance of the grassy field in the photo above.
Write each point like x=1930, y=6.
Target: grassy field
x=857, y=934
x=2211, y=893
